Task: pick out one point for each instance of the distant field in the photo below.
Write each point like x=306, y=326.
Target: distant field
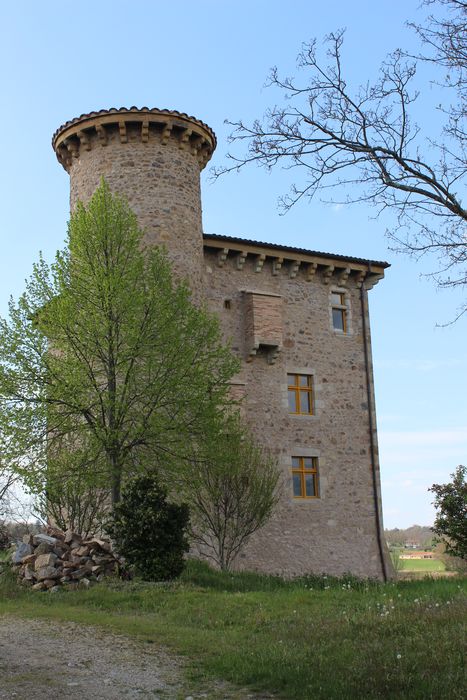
x=421, y=565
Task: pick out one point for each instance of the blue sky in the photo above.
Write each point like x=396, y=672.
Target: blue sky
x=211, y=59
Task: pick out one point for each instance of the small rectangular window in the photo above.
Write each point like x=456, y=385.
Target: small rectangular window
x=300, y=394
x=305, y=477
x=339, y=311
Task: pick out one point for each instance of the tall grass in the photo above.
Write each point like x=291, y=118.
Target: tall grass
x=313, y=637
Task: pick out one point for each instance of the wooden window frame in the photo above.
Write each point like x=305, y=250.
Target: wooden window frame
x=298, y=389
x=342, y=307
x=302, y=471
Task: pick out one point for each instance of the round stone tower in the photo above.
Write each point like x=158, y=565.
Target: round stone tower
x=154, y=158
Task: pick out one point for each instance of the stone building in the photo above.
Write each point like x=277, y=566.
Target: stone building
x=297, y=318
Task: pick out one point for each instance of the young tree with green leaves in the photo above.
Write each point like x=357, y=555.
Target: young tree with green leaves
x=106, y=366
x=232, y=491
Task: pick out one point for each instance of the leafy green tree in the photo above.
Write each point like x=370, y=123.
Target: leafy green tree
x=106, y=366
x=7, y=481
x=451, y=519
x=149, y=531
x=232, y=492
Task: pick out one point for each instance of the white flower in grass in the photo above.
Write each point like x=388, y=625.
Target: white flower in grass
x=398, y=656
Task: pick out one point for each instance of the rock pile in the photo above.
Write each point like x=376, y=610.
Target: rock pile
x=56, y=558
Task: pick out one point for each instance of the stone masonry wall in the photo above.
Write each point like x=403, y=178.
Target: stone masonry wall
x=161, y=182
x=335, y=533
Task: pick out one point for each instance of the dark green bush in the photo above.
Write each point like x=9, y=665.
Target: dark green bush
x=149, y=531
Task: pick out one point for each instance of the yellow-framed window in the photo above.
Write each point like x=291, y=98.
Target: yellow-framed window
x=300, y=394
x=339, y=311
x=305, y=477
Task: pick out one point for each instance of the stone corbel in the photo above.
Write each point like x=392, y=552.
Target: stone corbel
x=311, y=271
x=361, y=274
x=372, y=280
x=166, y=131
x=273, y=354
x=123, y=133
x=145, y=131
x=102, y=134
x=185, y=138
x=241, y=257
x=327, y=274
x=276, y=265
x=64, y=156
x=203, y=157
x=294, y=268
x=196, y=145
x=222, y=257
x=84, y=140
x=72, y=147
x=252, y=352
x=259, y=262
x=343, y=277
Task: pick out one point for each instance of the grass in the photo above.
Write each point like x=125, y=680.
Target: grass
x=422, y=565
x=313, y=637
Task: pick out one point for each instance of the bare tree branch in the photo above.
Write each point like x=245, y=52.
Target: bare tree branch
x=363, y=142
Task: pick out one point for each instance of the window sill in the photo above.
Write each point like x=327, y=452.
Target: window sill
x=301, y=416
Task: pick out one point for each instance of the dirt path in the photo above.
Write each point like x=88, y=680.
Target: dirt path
x=41, y=660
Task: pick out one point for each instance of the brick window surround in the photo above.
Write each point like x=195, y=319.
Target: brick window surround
x=305, y=477
x=300, y=394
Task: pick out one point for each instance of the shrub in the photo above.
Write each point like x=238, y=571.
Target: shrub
x=149, y=531
x=4, y=536
x=232, y=493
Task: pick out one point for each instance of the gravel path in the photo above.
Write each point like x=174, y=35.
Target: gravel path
x=41, y=660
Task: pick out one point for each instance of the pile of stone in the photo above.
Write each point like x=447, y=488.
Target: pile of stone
x=54, y=559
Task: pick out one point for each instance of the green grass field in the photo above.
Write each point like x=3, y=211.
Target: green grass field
x=315, y=637
x=422, y=565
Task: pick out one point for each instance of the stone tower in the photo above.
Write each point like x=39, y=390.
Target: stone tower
x=153, y=157
x=297, y=318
